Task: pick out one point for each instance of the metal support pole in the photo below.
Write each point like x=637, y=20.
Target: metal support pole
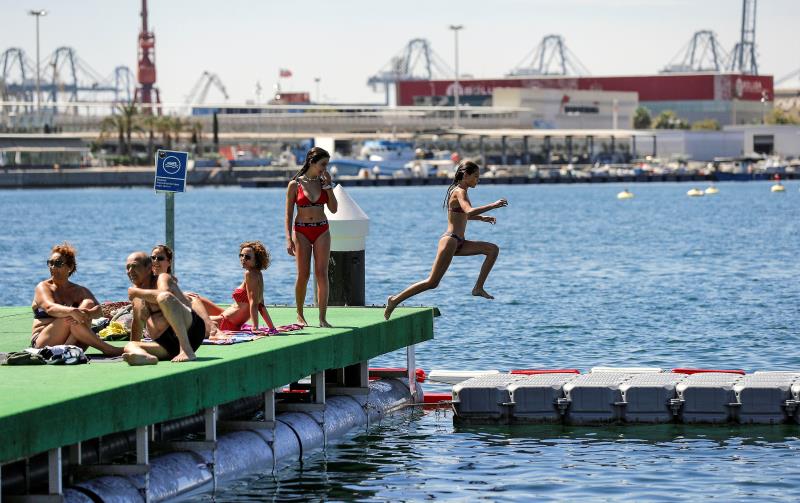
x=526, y=153
x=411, y=367
x=318, y=387
x=569, y=149
x=169, y=206
x=269, y=406
x=504, y=147
x=211, y=415
x=54, y=481
x=547, y=150
x=482, y=149
x=633, y=146
x=456, y=85
x=654, y=146
x=143, y=457
x=38, y=79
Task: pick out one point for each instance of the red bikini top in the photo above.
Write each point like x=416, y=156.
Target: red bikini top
x=240, y=295
x=304, y=202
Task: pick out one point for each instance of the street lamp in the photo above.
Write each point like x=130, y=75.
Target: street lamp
x=316, y=81
x=38, y=13
x=456, y=28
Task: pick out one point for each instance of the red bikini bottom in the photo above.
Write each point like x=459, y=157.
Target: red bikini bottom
x=311, y=230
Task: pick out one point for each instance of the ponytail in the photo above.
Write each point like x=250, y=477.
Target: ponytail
x=464, y=167
x=316, y=154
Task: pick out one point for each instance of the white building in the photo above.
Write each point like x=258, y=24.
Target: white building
x=570, y=108
x=732, y=141
x=769, y=139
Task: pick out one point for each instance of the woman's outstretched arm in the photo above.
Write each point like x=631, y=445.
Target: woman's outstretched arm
x=471, y=211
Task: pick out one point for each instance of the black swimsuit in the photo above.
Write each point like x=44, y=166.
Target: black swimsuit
x=196, y=332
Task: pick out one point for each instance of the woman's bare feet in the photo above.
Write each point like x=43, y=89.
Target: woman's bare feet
x=325, y=324
x=137, y=359
x=301, y=320
x=391, y=303
x=480, y=292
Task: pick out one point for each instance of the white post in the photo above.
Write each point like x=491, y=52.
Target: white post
x=54, y=481
x=38, y=13
x=318, y=387
x=411, y=368
x=269, y=406
x=614, y=113
x=143, y=456
x=456, y=87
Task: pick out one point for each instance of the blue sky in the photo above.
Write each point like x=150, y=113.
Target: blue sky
x=343, y=42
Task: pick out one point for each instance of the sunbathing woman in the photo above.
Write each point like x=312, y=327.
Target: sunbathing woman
x=310, y=189
x=63, y=310
x=459, y=211
x=249, y=296
x=162, y=260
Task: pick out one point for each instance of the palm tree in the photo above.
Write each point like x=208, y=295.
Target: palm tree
x=124, y=121
x=196, y=127
x=178, y=127
x=149, y=124
x=163, y=125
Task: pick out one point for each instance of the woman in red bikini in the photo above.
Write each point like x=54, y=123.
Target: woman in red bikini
x=459, y=211
x=248, y=297
x=307, y=234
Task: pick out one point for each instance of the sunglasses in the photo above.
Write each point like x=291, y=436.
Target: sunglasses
x=245, y=256
x=55, y=263
x=158, y=258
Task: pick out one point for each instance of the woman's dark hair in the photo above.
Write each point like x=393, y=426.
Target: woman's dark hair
x=316, y=154
x=464, y=167
x=263, y=257
x=67, y=252
x=168, y=252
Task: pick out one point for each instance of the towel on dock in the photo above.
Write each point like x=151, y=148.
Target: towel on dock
x=247, y=334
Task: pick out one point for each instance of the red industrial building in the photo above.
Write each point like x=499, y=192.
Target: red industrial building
x=729, y=98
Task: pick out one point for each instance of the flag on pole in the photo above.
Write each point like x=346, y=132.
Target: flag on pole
x=285, y=73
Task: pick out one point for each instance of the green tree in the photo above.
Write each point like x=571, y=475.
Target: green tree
x=642, y=119
x=706, y=125
x=779, y=116
x=149, y=125
x=124, y=121
x=196, y=128
x=670, y=120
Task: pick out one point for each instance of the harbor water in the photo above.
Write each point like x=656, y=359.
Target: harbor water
x=583, y=280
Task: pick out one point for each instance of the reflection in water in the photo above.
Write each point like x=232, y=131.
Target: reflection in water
x=581, y=280
x=413, y=456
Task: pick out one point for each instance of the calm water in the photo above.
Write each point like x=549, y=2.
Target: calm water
x=582, y=280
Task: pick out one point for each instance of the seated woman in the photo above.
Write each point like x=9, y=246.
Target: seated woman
x=248, y=297
x=162, y=260
x=63, y=310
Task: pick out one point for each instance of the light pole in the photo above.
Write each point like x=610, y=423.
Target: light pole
x=316, y=81
x=456, y=87
x=38, y=13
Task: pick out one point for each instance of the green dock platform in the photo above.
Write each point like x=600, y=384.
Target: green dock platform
x=47, y=407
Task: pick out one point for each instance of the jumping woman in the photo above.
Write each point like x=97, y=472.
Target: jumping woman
x=307, y=235
x=459, y=210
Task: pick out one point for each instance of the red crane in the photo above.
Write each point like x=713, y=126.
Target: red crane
x=146, y=66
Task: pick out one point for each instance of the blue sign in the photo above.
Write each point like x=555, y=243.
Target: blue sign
x=171, y=171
